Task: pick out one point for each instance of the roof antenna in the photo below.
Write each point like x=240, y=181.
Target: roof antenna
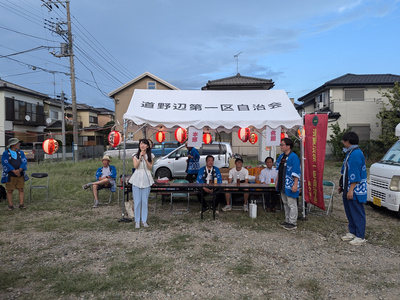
x=237, y=61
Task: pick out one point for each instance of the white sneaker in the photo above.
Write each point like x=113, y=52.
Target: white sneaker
x=145, y=224
x=357, y=241
x=227, y=208
x=245, y=208
x=96, y=204
x=348, y=237
x=137, y=225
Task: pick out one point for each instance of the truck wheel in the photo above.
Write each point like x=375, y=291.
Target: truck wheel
x=163, y=172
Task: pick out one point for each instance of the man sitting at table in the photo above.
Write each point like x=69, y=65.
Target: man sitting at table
x=207, y=174
x=268, y=176
x=243, y=175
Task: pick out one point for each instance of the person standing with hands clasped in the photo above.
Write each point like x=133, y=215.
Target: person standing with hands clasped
x=14, y=166
x=288, y=182
x=353, y=184
x=141, y=181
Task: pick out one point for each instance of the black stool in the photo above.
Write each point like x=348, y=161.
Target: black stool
x=38, y=176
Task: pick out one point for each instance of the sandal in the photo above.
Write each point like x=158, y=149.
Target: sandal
x=10, y=207
x=22, y=206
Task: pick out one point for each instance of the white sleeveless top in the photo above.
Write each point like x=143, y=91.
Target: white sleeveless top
x=142, y=177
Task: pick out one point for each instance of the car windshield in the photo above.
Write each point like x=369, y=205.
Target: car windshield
x=393, y=155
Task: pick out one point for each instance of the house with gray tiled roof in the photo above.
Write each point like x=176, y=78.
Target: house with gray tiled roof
x=22, y=113
x=239, y=82
x=352, y=100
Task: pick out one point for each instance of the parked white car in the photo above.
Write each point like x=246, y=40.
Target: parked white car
x=130, y=149
x=174, y=164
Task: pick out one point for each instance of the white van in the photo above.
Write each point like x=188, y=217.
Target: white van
x=384, y=184
x=174, y=164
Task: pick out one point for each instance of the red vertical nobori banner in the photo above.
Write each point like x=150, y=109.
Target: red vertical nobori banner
x=316, y=127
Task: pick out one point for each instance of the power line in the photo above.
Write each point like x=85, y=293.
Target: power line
x=26, y=51
x=36, y=37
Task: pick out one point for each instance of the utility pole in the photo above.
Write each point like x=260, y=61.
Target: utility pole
x=57, y=29
x=73, y=90
x=63, y=126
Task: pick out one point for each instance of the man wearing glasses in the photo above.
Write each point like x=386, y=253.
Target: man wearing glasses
x=288, y=182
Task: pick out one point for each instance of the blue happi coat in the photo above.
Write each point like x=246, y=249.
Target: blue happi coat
x=292, y=170
x=7, y=167
x=354, y=164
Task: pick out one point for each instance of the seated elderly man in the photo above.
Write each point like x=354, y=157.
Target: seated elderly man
x=105, y=178
x=234, y=174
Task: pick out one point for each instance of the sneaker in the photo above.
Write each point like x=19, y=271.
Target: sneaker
x=96, y=204
x=290, y=226
x=357, y=241
x=22, y=206
x=10, y=207
x=348, y=237
x=85, y=186
x=283, y=224
x=137, y=225
x=227, y=208
x=245, y=208
x=145, y=224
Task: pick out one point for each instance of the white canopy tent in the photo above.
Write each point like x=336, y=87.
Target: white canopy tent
x=220, y=110
x=215, y=110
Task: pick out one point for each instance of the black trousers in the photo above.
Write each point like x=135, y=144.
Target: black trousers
x=271, y=199
x=220, y=198
x=191, y=177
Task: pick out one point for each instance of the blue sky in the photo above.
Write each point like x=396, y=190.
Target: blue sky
x=298, y=44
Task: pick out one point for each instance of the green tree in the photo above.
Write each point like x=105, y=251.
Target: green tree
x=336, y=140
x=389, y=115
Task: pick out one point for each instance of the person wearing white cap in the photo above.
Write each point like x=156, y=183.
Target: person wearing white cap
x=14, y=166
x=105, y=178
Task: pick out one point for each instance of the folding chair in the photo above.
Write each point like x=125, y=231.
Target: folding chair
x=38, y=176
x=329, y=188
x=173, y=194
x=102, y=187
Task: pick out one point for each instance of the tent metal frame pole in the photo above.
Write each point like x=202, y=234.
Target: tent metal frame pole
x=302, y=139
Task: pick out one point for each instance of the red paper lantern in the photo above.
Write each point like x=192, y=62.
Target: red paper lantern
x=50, y=146
x=207, y=139
x=244, y=134
x=181, y=134
x=160, y=136
x=253, y=138
x=283, y=135
x=114, y=138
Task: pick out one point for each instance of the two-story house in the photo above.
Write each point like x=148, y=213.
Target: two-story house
x=21, y=114
x=352, y=100
x=88, y=124
x=240, y=82
x=122, y=96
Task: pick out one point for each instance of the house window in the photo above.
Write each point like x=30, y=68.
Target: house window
x=151, y=85
x=354, y=95
x=362, y=130
x=54, y=114
x=92, y=119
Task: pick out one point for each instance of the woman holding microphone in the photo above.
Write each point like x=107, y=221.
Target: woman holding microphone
x=142, y=181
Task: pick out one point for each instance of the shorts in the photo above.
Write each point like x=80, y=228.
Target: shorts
x=15, y=183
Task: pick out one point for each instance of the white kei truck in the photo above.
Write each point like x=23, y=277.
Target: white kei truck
x=384, y=183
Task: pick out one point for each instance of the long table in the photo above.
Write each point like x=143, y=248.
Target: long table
x=231, y=188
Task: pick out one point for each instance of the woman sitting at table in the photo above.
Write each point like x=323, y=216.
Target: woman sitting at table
x=208, y=174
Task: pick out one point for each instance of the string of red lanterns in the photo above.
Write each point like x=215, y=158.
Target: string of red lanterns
x=160, y=136
x=114, y=138
x=207, y=139
x=244, y=134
